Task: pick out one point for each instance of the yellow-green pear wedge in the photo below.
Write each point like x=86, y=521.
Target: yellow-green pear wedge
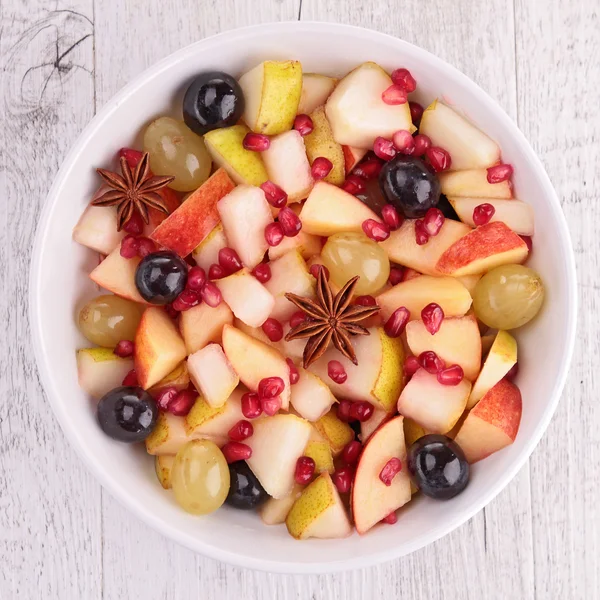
x=315, y=91
x=319, y=512
x=310, y=396
x=500, y=360
x=206, y=421
x=272, y=93
x=274, y=511
x=335, y=432
x=162, y=465
x=100, y=370
x=169, y=434
x=225, y=147
x=319, y=450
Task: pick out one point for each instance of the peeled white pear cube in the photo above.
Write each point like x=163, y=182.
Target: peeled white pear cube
x=315, y=91
x=311, y=397
x=274, y=511
x=207, y=252
x=100, y=370
x=97, y=229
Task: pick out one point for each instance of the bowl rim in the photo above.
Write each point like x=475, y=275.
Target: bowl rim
x=78, y=443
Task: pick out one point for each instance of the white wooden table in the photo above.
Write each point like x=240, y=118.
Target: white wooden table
x=61, y=536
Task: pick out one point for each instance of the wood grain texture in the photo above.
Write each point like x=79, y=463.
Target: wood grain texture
x=62, y=537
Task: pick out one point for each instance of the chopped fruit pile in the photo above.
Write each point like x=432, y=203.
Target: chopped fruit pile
x=307, y=286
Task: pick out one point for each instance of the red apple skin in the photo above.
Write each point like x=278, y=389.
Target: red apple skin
x=351, y=158
x=156, y=217
x=189, y=224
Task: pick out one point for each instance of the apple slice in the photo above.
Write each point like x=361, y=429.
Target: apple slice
x=207, y=251
x=289, y=274
x=467, y=145
x=203, y=324
x=315, y=91
x=184, y=229
x=158, y=347
x=402, y=247
x=320, y=142
x=272, y=93
x=288, y=166
x=311, y=398
x=274, y=511
x=473, y=183
x=335, y=432
x=97, y=229
x=249, y=299
x=178, y=378
x=483, y=249
x=417, y=293
x=372, y=500
x=253, y=360
x=212, y=374
x=225, y=146
x=457, y=342
x=434, y=406
x=100, y=370
x=357, y=112
x=156, y=217
x=493, y=423
x=277, y=443
x=168, y=436
x=377, y=377
x=329, y=210
x=207, y=422
x=368, y=427
x=469, y=281
x=163, y=465
x=245, y=213
x=319, y=450
x=500, y=360
x=308, y=245
x=515, y=214
x=352, y=156
x=117, y=275
x=319, y=512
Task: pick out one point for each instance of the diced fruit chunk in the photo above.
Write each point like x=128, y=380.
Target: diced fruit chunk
x=100, y=370
x=97, y=229
x=178, y=378
x=117, y=275
x=319, y=450
x=315, y=91
x=168, y=436
x=472, y=183
x=517, y=215
x=206, y=421
x=308, y=245
x=163, y=465
x=207, y=252
x=311, y=397
x=203, y=324
x=335, y=432
x=274, y=511
x=368, y=427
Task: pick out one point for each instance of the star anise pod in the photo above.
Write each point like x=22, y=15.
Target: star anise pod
x=331, y=319
x=135, y=189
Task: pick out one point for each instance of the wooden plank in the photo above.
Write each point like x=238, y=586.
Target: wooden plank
x=50, y=544
x=558, y=49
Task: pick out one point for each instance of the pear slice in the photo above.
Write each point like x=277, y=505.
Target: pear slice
x=100, y=370
x=178, y=378
x=315, y=91
x=310, y=396
x=335, y=432
x=97, y=228
x=168, y=436
x=368, y=427
x=473, y=183
x=205, y=421
x=203, y=324
x=207, y=251
x=319, y=450
x=162, y=465
x=117, y=275
x=274, y=511
x=308, y=245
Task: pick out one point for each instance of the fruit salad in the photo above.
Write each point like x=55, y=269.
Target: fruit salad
x=309, y=291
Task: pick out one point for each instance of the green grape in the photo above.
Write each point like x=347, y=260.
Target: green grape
x=200, y=477
x=349, y=254
x=176, y=150
x=108, y=319
x=508, y=297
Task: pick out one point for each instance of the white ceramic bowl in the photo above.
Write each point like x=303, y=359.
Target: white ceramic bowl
x=59, y=282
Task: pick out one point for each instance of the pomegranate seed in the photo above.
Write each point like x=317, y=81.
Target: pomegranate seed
x=241, y=431
x=274, y=194
x=391, y=468
x=129, y=246
x=189, y=297
x=234, y=451
x=211, y=294
x=132, y=156
x=421, y=235
x=273, y=329
x=404, y=141
x=230, y=260
x=316, y=268
x=274, y=234
x=303, y=124
x=164, y=398
x=378, y=232
x=354, y=185
x=396, y=324
x=256, y=142
x=365, y=301
x=482, y=214
x=351, y=452
x=499, y=173
x=404, y=79
x=182, y=403
x=514, y=371
x=216, y=272
x=289, y=221
x=336, y=371
x=305, y=469
x=391, y=217
x=438, y=157
x=433, y=220
x=343, y=411
x=130, y=378
x=369, y=169
x=173, y=313
x=527, y=239
x=135, y=224
x=294, y=373
x=297, y=318
x=394, y=95
x=396, y=275
x=431, y=362
x=432, y=316
x=271, y=406
x=391, y=519
x=410, y=274
x=342, y=479
x=196, y=278
x=452, y=375
x=321, y=167
x=145, y=246
x=361, y=411
x=416, y=111
x=270, y=387
x=422, y=143
x=124, y=348
x=384, y=149
x=411, y=366
x=251, y=406
x=180, y=306
x=262, y=272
